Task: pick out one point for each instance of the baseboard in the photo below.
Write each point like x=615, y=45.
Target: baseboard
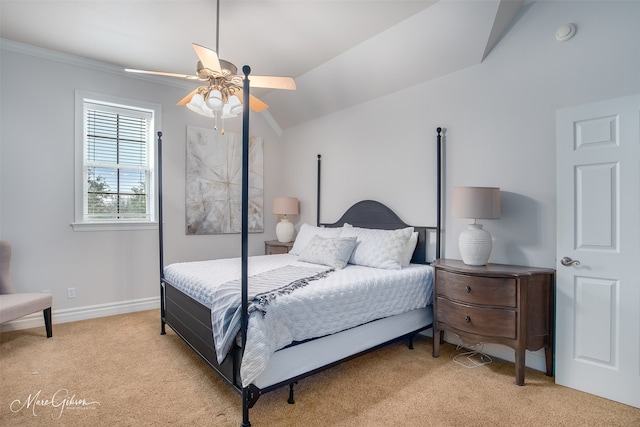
x=82, y=313
x=533, y=359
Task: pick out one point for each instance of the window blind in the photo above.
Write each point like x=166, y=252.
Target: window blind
x=117, y=171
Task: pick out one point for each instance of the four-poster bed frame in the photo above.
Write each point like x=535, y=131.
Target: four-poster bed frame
x=191, y=320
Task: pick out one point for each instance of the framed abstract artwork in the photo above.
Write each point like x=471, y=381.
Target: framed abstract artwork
x=214, y=182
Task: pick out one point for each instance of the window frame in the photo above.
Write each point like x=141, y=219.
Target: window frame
x=80, y=222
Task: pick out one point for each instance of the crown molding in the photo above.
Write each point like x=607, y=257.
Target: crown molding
x=80, y=61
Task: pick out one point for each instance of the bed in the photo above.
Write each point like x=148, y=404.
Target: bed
x=190, y=290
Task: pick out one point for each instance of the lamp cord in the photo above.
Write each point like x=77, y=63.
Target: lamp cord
x=470, y=355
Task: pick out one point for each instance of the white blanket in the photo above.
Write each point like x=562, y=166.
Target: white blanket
x=345, y=299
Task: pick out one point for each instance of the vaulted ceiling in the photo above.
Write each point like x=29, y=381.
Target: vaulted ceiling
x=341, y=53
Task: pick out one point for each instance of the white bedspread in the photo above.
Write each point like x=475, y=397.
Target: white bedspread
x=344, y=299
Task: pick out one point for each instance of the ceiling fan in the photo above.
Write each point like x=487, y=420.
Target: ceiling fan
x=223, y=89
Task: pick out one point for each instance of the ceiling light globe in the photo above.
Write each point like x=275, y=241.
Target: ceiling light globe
x=206, y=111
x=226, y=112
x=196, y=103
x=197, y=100
x=235, y=106
x=214, y=101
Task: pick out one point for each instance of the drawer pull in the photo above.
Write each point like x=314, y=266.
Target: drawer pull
x=467, y=319
x=468, y=289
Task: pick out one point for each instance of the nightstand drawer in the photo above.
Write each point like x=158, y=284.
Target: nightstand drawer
x=273, y=250
x=481, y=321
x=274, y=247
x=492, y=291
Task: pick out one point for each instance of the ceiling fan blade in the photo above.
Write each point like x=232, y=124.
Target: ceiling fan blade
x=254, y=103
x=208, y=58
x=187, y=99
x=273, y=82
x=161, y=73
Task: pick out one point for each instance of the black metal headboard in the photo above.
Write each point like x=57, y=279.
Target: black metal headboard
x=372, y=214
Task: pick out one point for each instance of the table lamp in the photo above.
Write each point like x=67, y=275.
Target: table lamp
x=475, y=203
x=285, y=206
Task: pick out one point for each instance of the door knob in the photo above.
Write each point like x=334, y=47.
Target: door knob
x=568, y=262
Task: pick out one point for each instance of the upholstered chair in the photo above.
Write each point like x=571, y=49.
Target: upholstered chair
x=14, y=305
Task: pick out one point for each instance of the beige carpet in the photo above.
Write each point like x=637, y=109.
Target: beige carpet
x=119, y=371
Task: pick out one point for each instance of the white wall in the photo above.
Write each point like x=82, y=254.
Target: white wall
x=111, y=271
x=500, y=131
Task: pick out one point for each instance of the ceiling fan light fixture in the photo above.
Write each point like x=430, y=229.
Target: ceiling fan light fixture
x=226, y=112
x=232, y=108
x=235, y=106
x=198, y=105
x=214, y=100
x=207, y=112
x=228, y=68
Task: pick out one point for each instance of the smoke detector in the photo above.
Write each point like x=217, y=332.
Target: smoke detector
x=565, y=32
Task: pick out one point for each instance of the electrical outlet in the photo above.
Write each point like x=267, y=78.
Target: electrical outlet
x=46, y=291
x=71, y=292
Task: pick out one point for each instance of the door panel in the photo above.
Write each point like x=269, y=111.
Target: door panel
x=596, y=312
x=598, y=220
x=596, y=207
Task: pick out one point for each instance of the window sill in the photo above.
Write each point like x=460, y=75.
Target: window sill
x=113, y=226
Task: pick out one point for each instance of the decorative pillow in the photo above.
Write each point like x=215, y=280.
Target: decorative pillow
x=307, y=232
x=331, y=251
x=378, y=248
x=405, y=260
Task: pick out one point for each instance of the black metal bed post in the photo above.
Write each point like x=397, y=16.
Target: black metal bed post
x=318, y=193
x=160, y=235
x=245, y=232
x=438, y=190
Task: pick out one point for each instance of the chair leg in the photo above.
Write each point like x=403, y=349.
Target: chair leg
x=47, y=321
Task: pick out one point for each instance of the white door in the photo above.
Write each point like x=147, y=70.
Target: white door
x=598, y=225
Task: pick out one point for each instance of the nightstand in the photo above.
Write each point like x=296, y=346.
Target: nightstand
x=495, y=303
x=276, y=247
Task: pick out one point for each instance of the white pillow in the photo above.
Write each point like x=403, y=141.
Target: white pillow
x=331, y=251
x=307, y=232
x=378, y=248
x=405, y=260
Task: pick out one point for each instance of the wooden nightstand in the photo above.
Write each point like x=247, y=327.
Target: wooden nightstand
x=496, y=303
x=275, y=247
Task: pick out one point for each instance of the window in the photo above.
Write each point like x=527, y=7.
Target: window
x=115, y=183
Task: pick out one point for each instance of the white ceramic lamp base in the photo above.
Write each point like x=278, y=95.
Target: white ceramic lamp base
x=284, y=230
x=475, y=245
